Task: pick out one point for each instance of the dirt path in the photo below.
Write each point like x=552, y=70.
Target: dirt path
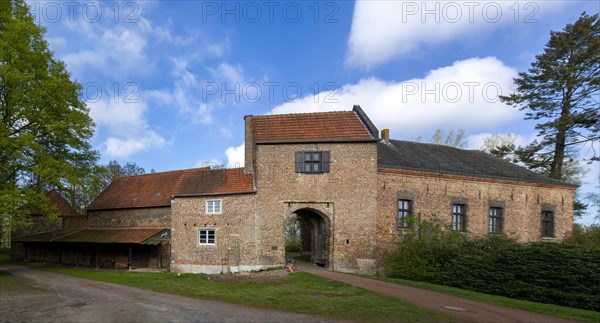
x=38, y=296
x=463, y=309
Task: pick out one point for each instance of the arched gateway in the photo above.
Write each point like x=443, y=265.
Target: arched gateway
x=315, y=234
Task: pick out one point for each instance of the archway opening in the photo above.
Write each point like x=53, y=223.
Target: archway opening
x=307, y=237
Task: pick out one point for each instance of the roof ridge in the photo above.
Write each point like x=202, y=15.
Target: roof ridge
x=432, y=144
x=163, y=172
x=303, y=113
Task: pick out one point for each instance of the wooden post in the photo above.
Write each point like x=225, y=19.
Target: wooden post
x=97, y=258
x=129, y=261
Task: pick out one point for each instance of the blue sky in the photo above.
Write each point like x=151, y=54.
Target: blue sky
x=169, y=82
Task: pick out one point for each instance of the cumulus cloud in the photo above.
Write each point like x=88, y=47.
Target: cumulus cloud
x=235, y=156
x=462, y=95
x=126, y=128
x=384, y=30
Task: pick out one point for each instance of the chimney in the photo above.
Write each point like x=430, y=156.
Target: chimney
x=385, y=135
x=248, y=146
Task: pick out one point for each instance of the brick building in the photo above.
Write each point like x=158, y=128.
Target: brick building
x=351, y=189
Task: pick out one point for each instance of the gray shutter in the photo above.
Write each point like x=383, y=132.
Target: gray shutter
x=325, y=161
x=299, y=162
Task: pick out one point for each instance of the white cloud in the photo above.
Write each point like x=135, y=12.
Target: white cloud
x=228, y=73
x=463, y=95
x=384, y=30
x=235, y=156
x=126, y=128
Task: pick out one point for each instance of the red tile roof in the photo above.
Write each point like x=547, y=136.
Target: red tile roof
x=204, y=181
x=95, y=235
x=156, y=189
x=306, y=127
x=64, y=209
x=148, y=190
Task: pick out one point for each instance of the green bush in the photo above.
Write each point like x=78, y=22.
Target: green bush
x=585, y=236
x=558, y=273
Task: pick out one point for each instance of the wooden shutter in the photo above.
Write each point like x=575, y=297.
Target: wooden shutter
x=325, y=161
x=299, y=162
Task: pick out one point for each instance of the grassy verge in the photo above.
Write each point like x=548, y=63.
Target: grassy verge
x=548, y=309
x=4, y=255
x=299, y=293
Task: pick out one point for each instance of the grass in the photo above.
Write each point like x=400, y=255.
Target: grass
x=548, y=309
x=299, y=293
x=4, y=255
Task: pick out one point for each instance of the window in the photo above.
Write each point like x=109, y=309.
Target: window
x=213, y=207
x=404, y=211
x=547, y=224
x=459, y=217
x=495, y=224
x=312, y=162
x=206, y=237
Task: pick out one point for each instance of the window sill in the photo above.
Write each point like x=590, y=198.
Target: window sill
x=548, y=239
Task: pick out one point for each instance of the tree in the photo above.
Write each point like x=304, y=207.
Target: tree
x=562, y=88
x=499, y=145
x=45, y=124
x=451, y=138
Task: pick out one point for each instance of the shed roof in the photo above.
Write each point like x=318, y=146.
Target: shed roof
x=128, y=235
x=449, y=160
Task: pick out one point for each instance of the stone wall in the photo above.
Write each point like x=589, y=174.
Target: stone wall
x=130, y=218
x=434, y=194
x=234, y=249
x=345, y=197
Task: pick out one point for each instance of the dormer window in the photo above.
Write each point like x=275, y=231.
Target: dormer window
x=312, y=162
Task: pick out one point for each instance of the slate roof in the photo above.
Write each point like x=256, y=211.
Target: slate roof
x=449, y=160
x=310, y=127
x=128, y=235
x=156, y=189
x=204, y=181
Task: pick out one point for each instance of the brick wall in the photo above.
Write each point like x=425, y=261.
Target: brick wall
x=234, y=249
x=345, y=197
x=434, y=194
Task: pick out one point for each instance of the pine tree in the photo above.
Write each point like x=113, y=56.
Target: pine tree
x=562, y=90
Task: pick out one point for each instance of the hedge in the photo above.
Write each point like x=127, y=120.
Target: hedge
x=546, y=272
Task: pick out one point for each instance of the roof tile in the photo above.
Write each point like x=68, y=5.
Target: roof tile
x=204, y=181
x=338, y=126
x=148, y=190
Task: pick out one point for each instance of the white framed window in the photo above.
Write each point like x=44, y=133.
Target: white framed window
x=213, y=207
x=207, y=237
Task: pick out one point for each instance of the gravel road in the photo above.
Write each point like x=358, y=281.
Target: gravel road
x=40, y=296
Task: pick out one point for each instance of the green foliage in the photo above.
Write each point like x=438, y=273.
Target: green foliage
x=585, y=236
x=45, y=124
x=542, y=272
x=561, y=89
x=423, y=251
x=560, y=273
x=292, y=234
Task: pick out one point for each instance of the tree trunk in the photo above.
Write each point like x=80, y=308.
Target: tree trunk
x=561, y=137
